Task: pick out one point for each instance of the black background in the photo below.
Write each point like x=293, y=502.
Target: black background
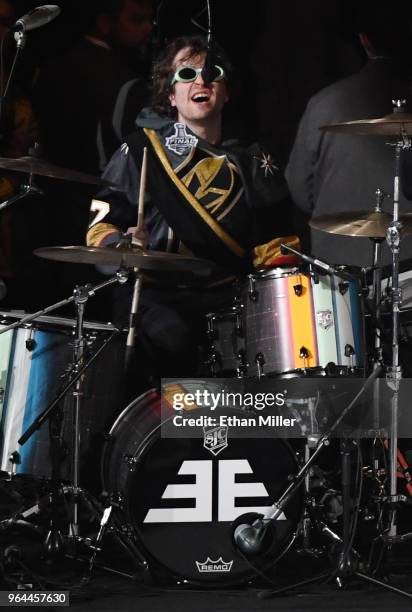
x=283, y=52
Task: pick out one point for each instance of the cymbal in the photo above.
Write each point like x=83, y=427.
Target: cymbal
x=157, y=261
x=364, y=224
x=391, y=125
x=39, y=167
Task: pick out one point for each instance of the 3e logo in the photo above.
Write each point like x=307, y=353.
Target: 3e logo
x=202, y=492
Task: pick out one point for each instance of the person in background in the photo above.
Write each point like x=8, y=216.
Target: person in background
x=87, y=100
x=331, y=173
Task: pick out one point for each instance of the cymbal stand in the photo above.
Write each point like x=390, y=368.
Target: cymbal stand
x=119, y=277
x=27, y=189
x=104, y=514
x=376, y=300
x=394, y=372
x=80, y=298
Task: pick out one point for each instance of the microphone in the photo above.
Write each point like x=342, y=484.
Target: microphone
x=253, y=535
x=332, y=270
x=248, y=537
x=208, y=71
x=36, y=18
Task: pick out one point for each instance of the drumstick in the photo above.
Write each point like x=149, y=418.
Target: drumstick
x=143, y=174
x=131, y=336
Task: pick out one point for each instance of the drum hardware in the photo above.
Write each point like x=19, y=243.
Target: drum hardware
x=226, y=354
x=25, y=190
x=260, y=362
x=253, y=295
x=350, y=352
x=394, y=372
x=304, y=354
x=249, y=536
x=319, y=264
x=55, y=543
x=87, y=291
x=79, y=297
x=51, y=322
x=241, y=370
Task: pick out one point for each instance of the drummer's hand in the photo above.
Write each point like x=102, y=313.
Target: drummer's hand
x=140, y=237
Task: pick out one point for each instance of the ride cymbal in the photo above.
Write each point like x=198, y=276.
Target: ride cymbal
x=157, y=261
x=394, y=124
x=364, y=224
x=39, y=167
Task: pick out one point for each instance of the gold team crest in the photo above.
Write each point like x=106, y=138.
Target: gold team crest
x=213, y=180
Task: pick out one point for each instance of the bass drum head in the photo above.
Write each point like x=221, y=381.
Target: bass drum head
x=183, y=500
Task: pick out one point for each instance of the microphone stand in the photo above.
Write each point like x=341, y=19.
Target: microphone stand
x=20, y=37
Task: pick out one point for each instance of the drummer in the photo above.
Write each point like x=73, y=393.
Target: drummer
x=204, y=197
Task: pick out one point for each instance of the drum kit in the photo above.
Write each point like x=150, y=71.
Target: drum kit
x=160, y=500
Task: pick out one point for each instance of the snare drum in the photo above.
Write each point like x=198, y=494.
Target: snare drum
x=296, y=322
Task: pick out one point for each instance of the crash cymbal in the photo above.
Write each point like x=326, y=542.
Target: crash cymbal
x=362, y=224
x=394, y=124
x=156, y=261
x=39, y=167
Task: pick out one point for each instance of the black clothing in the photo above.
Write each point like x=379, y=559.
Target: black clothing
x=239, y=187
x=81, y=101
x=87, y=101
x=218, y=202
x=330, y=173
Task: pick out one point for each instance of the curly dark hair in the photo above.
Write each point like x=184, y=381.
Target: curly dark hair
x=163, y=70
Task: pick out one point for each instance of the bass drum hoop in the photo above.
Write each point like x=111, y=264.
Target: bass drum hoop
x=149, y=398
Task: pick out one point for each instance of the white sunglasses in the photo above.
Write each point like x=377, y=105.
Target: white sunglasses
x=188, y=74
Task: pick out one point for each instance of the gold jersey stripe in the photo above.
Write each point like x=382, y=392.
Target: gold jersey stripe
x=218, y=230
x=97, y=232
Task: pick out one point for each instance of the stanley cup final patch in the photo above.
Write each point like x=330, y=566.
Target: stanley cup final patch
x=181, y=142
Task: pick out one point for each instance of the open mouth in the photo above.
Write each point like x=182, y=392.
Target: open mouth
x=200, y=97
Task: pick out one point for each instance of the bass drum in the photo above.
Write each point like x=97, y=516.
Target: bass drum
x=183, y=496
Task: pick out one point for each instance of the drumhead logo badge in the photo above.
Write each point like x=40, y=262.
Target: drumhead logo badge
x=181, y=142
x=214, y=567
x=324, y=319
x=215, y=439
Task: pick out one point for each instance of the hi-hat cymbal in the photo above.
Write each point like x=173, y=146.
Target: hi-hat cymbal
x=39, y=167
x=394, y=124
x=156, y=261
x=362, y=224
